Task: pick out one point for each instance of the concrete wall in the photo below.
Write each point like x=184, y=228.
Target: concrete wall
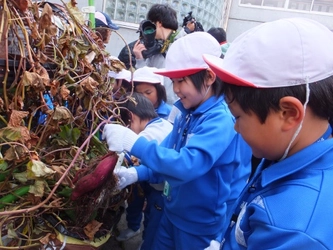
x=242, y=18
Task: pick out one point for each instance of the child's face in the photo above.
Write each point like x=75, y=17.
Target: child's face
x=136, y=124
x=116, y=89
x=149, y=91
x=264, y=138
x=188, y=94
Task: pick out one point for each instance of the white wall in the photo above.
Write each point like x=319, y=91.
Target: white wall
x=242, y=18
x=126, y=32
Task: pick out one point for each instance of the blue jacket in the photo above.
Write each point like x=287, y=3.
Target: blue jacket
x=198, y=159
x=288, y=204
x=163, y=110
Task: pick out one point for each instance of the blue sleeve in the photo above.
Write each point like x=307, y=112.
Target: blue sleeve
x=205, y=146
x=146, y=174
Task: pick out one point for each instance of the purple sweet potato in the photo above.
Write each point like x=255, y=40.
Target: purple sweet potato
x=96, y=178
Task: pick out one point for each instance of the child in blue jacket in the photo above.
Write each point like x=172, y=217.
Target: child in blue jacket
x=141, y=117
x=203, y=162
x=151, y=86
x=279, y=87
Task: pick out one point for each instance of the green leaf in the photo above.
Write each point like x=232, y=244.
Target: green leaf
x=3, y=164
x=10, y=134
x=100, y=146
x=70, y=135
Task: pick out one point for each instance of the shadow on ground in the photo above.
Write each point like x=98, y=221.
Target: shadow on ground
x=131, y=244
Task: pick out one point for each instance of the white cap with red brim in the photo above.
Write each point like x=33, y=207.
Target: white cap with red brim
x=282, y=53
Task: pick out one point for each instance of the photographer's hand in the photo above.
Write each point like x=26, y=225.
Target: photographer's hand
x=137, y=49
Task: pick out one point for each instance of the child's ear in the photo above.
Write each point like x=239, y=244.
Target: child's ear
x=292, y=112
x=210, y=76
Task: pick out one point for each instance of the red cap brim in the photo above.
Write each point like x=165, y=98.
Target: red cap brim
x=216, y=64
x=180, y=73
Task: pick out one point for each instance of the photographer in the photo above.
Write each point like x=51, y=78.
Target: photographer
x=190, y=24
x=165, y=20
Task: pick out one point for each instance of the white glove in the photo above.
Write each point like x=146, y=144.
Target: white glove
x=214, y=245
x=126, y=176
x=119, y=138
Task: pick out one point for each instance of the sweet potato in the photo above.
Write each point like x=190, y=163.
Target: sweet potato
x=97, y=178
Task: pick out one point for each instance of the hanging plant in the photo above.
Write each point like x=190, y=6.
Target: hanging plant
x=56, y=175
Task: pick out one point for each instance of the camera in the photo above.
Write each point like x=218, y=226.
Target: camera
x=147, y=31
x=189, y=18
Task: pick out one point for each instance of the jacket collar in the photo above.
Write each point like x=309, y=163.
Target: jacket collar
x=203, y=108
x=163, y=109
x=301, y=160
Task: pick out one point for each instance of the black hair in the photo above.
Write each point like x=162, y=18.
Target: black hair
x=218, y=33
x=141, y=106
x=261, y=101
x=165, y=14
x=199, y=78
x=161, y=92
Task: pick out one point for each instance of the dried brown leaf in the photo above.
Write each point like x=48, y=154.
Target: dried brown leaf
x=25, y=134
x=17, y=103
x=33, y=140
x=61, y=114
x=45, y=20
x=64, y=92
x=89, y=84
x=22, y=5
x=34, y=156
x=34, y=200
x=91, y=228
x=35, y=80
x=16, y=118
x=54, y=87
x=117, y=65
x=16, y=153
x=60, y=170
x=79, y=91
x=46, y=239
x=43, y=74
x=52, y=31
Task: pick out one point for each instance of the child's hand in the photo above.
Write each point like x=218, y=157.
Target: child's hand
x=126, y=176
x=119, y=138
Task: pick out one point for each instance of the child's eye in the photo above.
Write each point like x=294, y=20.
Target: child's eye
x=178, y=80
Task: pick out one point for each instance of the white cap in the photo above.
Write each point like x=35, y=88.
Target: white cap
x=184, y=56
x=123, y=74
x=146, y=74
x=281, y=53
